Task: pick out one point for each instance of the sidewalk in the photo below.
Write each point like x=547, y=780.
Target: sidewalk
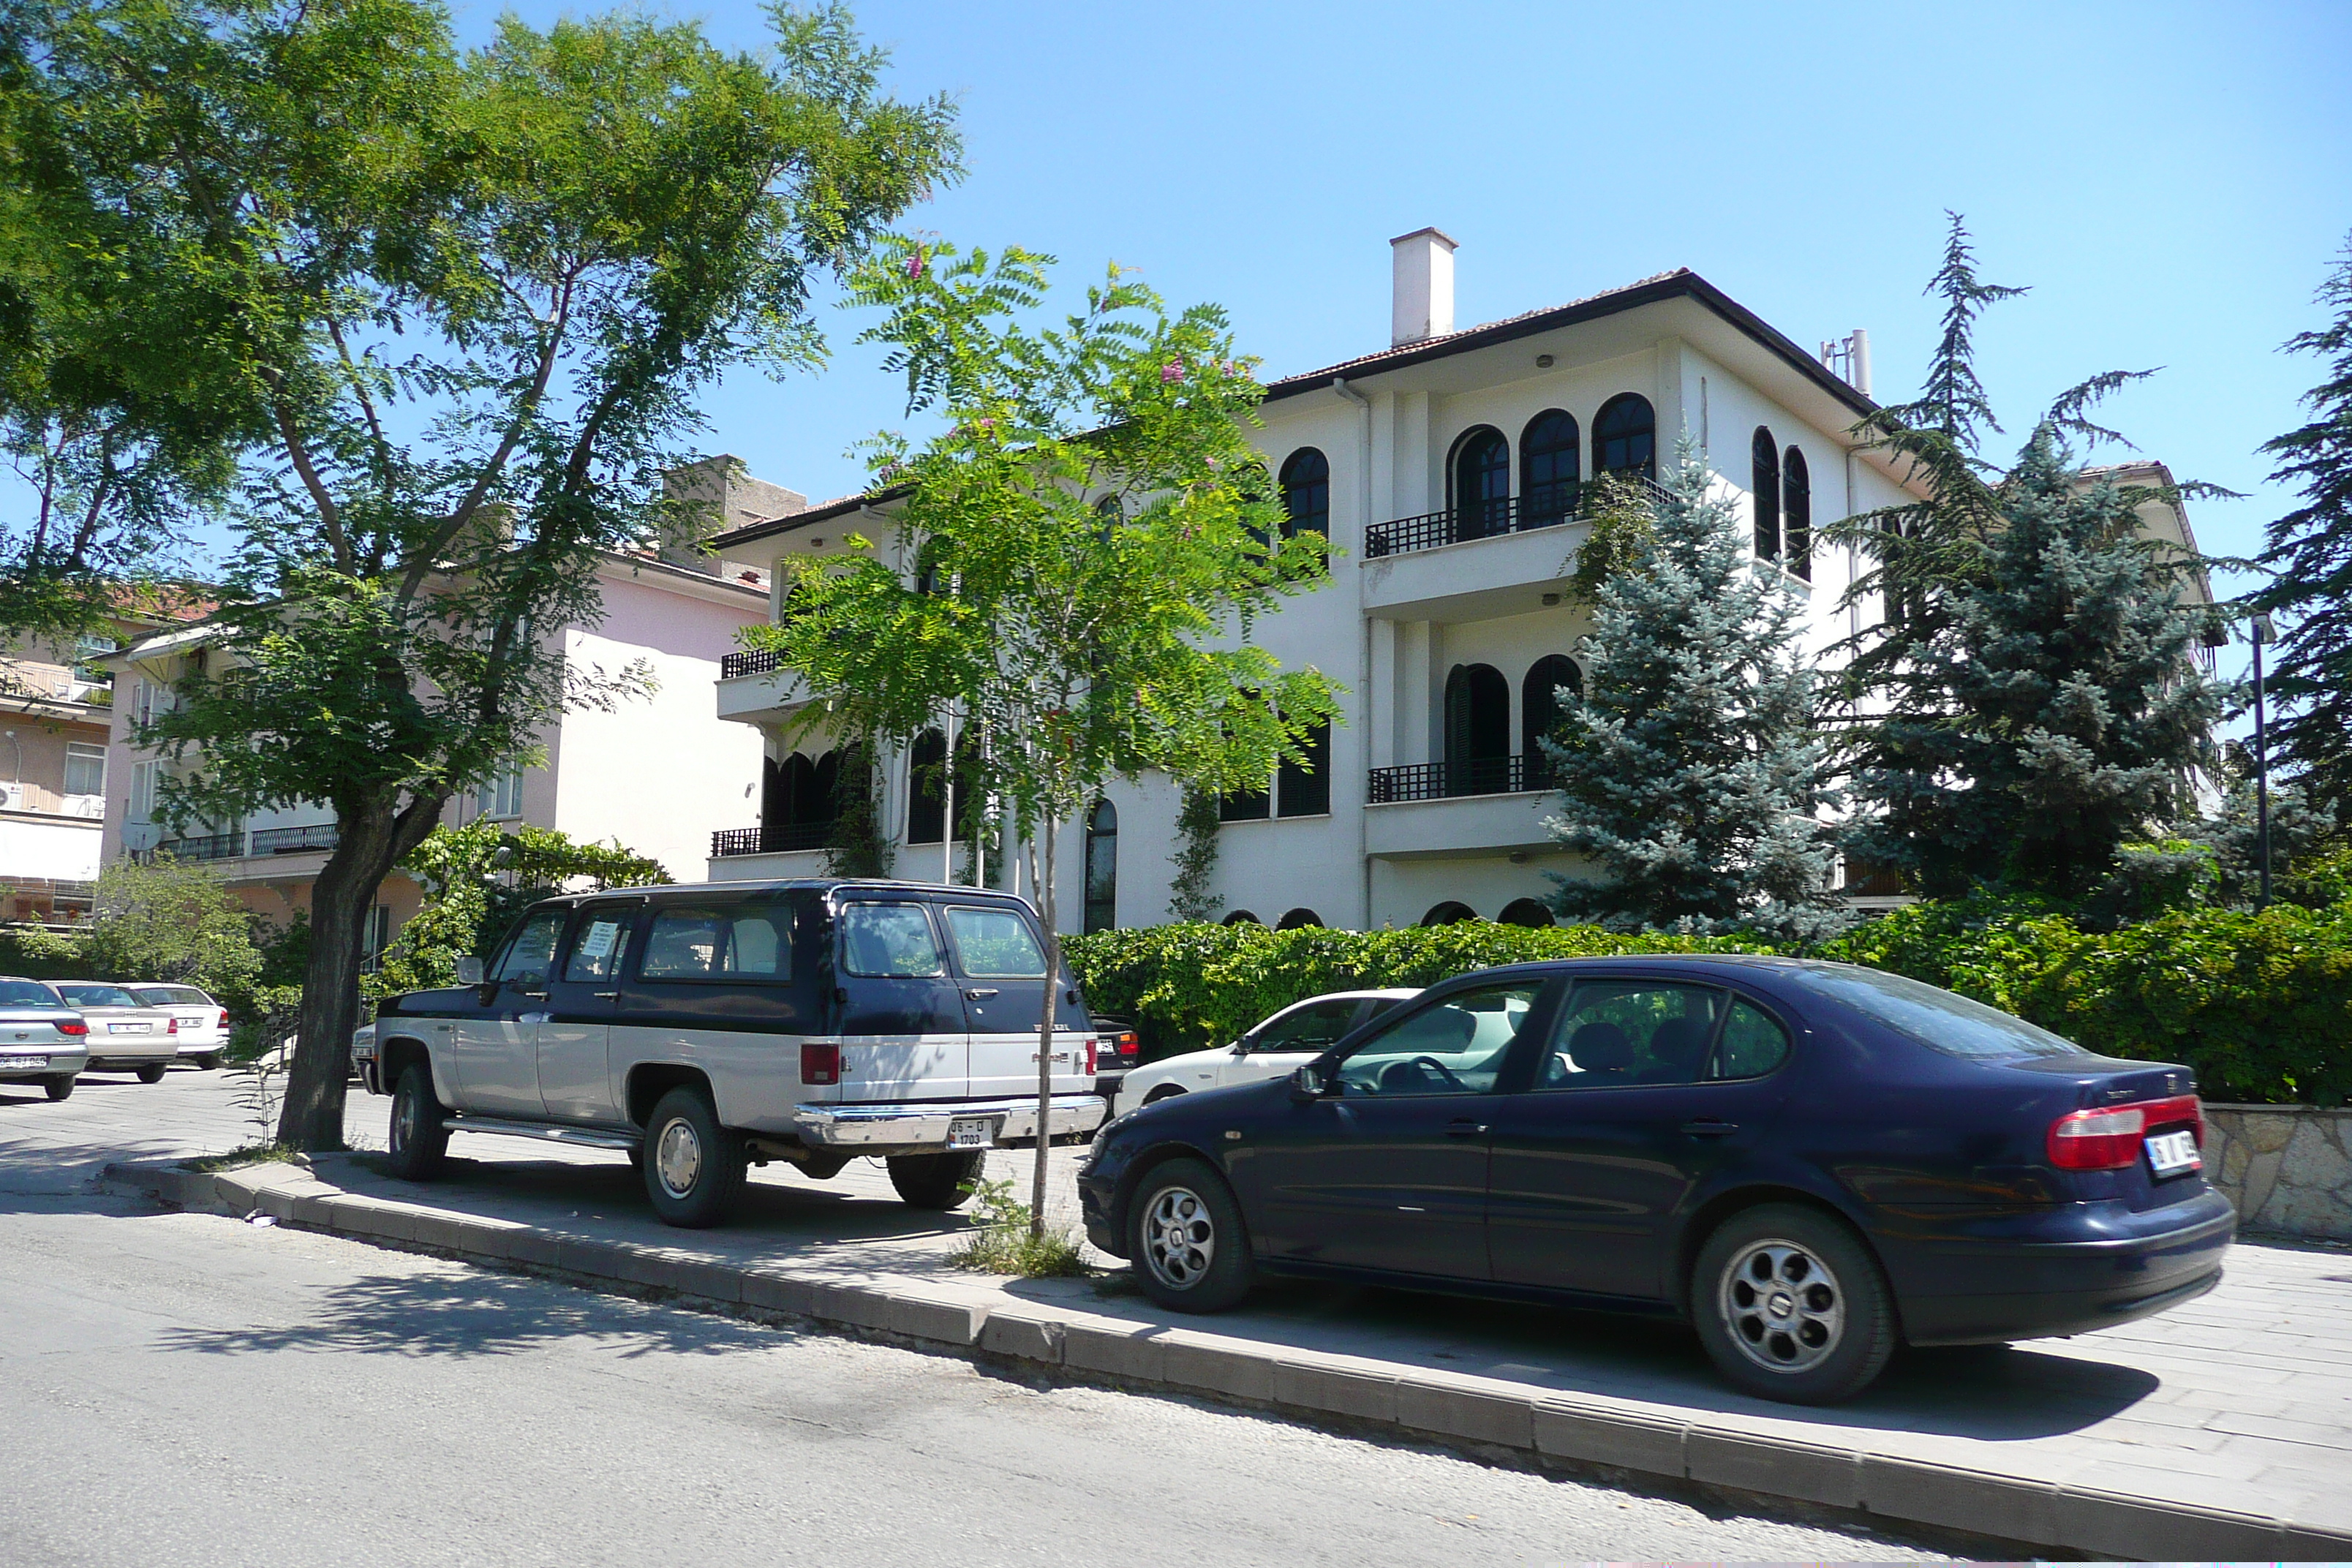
x=2219, y=1430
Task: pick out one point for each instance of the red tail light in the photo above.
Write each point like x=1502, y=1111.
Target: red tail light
x=171, y=1026
x=1128, y=1046
x=1091, y=1045
x=224, y=1023
x=819, y=1064
x=76, y=1027
x=2110, y=1140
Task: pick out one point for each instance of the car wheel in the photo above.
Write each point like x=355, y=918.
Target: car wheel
x=419, y=1135
x=59, y=1086
x=934, y=1180
x=1791, y=1305
x=1185, y=1235
x=694, y=1167
x=209, y=1062
x=152, y=1072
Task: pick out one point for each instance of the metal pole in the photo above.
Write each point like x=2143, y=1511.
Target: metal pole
x=2262, y=633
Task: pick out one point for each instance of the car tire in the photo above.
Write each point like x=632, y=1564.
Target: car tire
x=418, y=1139
x=1791, y=1306
x=61, y=1087
x=152, y=1072
x=935, y=1181
x=1187, y=1240
x=694, y=1167
x=209, y=1062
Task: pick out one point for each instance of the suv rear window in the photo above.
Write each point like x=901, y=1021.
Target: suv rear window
x=888, y=940
x=722, y=941
x=995, y=944
x=1936, y=1019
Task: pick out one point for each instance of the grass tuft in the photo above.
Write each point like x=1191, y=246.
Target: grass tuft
x=1004, y=1245
x=251, y=1154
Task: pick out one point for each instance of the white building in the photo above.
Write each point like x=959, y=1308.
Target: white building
x=1443, y=469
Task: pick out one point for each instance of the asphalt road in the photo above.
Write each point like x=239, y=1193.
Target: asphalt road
x=189, y=1389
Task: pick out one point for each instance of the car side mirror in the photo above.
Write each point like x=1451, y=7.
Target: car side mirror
x=1307, y=1083
x=470, y=970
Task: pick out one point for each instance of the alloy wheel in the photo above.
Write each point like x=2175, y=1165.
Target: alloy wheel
x=1179, y=1241
x=1783, y=1305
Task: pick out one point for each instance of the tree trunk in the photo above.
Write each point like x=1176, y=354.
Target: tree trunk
x=369, y=838
x=1049, y=830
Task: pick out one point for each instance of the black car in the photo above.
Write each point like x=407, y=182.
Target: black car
x=1809, y=1162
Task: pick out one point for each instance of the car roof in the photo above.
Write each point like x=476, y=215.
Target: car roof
x=793, y=884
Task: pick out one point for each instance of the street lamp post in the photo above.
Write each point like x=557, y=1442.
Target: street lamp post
x=2262, y=633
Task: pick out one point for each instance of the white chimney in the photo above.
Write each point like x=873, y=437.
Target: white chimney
x=1424, y=307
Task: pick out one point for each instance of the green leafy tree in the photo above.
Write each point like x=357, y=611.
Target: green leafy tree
x=478, y=878
x=2031, y=698
x=1080, y=644
x=1689, y=774
x=2310, y=550
x=468, y=299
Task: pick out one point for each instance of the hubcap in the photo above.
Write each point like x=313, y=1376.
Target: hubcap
x=1785, y=1308
x=404, y=1122
x=678, y=1158
x=1178, y=1242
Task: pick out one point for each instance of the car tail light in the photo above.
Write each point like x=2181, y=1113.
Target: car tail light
x=819, y=1064
x=2110, y=1140
x=223, y=1019
x=74, y=1027
x=171, y=1026
x=1128, y=1046
x=1092, y=1045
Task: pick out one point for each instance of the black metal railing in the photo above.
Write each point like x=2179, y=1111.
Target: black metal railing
x=1545, y=506
x=776, y=839
x=205, y=846
x=293, y=840
x=1517, y=773
x=733, y=666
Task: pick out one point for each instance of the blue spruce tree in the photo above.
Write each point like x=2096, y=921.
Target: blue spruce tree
x=1689, y=772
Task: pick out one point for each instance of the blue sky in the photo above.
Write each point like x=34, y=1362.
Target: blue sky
x=2170, y=180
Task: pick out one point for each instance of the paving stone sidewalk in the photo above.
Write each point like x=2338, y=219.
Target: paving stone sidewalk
x=2222, y=1429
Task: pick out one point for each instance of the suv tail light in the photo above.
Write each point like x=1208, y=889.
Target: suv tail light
x=74, y=1027
x=1092, y=1046
x=1127, y=1047
x=2110, y=1140
x=819, y=1064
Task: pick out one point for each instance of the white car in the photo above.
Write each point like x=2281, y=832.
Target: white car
x=1297, y=1035
x=123, y=1036
x=203, y=1033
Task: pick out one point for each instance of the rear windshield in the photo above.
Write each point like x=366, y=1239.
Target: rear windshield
x=83, y=995
x=25, y=994
x=1938, y=1019
x=172, y=996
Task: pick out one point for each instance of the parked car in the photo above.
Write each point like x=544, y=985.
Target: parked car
x=124, y=1034
x=697, y=1028
x=42, y=1040
x=202, y=1024
x=1806, y=1161
x=1274, y=1048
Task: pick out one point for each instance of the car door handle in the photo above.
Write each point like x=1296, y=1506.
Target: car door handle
x=1708, y=1127
x=980, y=992
x=604, y=995
x=1463, y=1127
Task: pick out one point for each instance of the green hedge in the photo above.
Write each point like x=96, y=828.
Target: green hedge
x=2259, y=1005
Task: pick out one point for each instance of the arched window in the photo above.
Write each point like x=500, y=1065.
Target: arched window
x=926, y=806
x=1297, y=918
x=1448, y=913
x=1238, y=918
x=1764, y=486
x=1477, y=731
x=1482, y=484
x=1526, y=912
x=1102, y=868
x=1548, y=469
x=1306, y=494
x=1303, y=789
x=775, y=807
x=1540, y=706
x=1797, y=513
x=1626, y=436
x=817, y=797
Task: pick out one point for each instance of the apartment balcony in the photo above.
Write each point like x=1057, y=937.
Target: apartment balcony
x=756, y=688
x=775, y=838
x=204, y=847
x=294, y=840
x=1478, y=561
x=1483, y=807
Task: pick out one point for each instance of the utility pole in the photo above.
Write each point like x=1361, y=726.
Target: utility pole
x=2262, y=633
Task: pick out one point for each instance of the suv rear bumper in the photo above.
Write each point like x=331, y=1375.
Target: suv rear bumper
x=921, y=1126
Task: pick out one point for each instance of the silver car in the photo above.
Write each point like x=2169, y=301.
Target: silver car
x=42, y=1040
x=123, y=1036
x=203, y=1032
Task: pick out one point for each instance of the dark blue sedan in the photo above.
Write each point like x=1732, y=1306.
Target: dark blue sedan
x=1809, y=1162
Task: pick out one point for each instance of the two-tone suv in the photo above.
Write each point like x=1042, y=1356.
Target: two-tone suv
x=696, y=1029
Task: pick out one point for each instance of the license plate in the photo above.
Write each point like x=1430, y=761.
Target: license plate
x=970, y=1132
x=129, y=1029
x=22, y=1064
x=2169, y=1153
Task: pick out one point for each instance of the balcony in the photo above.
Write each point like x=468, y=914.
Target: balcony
x=209, y=846
x=735, y=665
x=1515, y=774
x=1499, y=558
x=1548, y=506
x=776, y=839
x=294, y=840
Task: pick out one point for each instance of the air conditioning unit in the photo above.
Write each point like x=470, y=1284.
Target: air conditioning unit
x=12, y=796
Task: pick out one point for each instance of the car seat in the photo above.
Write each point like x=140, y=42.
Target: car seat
x=1602, y=1051
x=1675, y=1049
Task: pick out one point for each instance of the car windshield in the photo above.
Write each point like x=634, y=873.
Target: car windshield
x=83, y=995
x=25, y=994
x=1938, y=1019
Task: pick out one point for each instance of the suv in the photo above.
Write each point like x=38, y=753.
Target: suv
x=698, y=1027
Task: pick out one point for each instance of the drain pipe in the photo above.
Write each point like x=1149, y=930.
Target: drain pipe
x=1364, y=656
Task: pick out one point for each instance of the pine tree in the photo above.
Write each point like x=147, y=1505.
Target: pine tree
x=2311, y=549
x=1689, y=772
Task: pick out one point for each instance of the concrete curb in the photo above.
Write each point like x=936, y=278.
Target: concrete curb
x=1585, y=1433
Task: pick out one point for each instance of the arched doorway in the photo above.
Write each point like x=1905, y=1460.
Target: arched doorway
x=1449, y=913
x=1296, y=918
x=1526, y=913
x=1482, y=484
x=1102, y=868
x=1541, y=707
x=1477, y=731
x=1242, y=918
x=1626, y=436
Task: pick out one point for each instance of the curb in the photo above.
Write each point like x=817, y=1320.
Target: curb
x=1590, y=1434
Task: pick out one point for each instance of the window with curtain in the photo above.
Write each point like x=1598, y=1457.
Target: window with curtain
x=85, y=769
x=500, y=794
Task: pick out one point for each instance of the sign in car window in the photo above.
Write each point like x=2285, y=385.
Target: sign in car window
x=597, y=954
x=995, y=944
x=890, y=940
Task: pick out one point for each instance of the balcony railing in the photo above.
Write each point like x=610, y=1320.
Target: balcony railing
x=293, y=840
x=1546, y=506
x=776, y=839
x=209, y=846
x=734, y=666
x=1514, y=775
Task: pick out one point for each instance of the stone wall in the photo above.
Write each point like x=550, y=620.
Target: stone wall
x=2288, y=1167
